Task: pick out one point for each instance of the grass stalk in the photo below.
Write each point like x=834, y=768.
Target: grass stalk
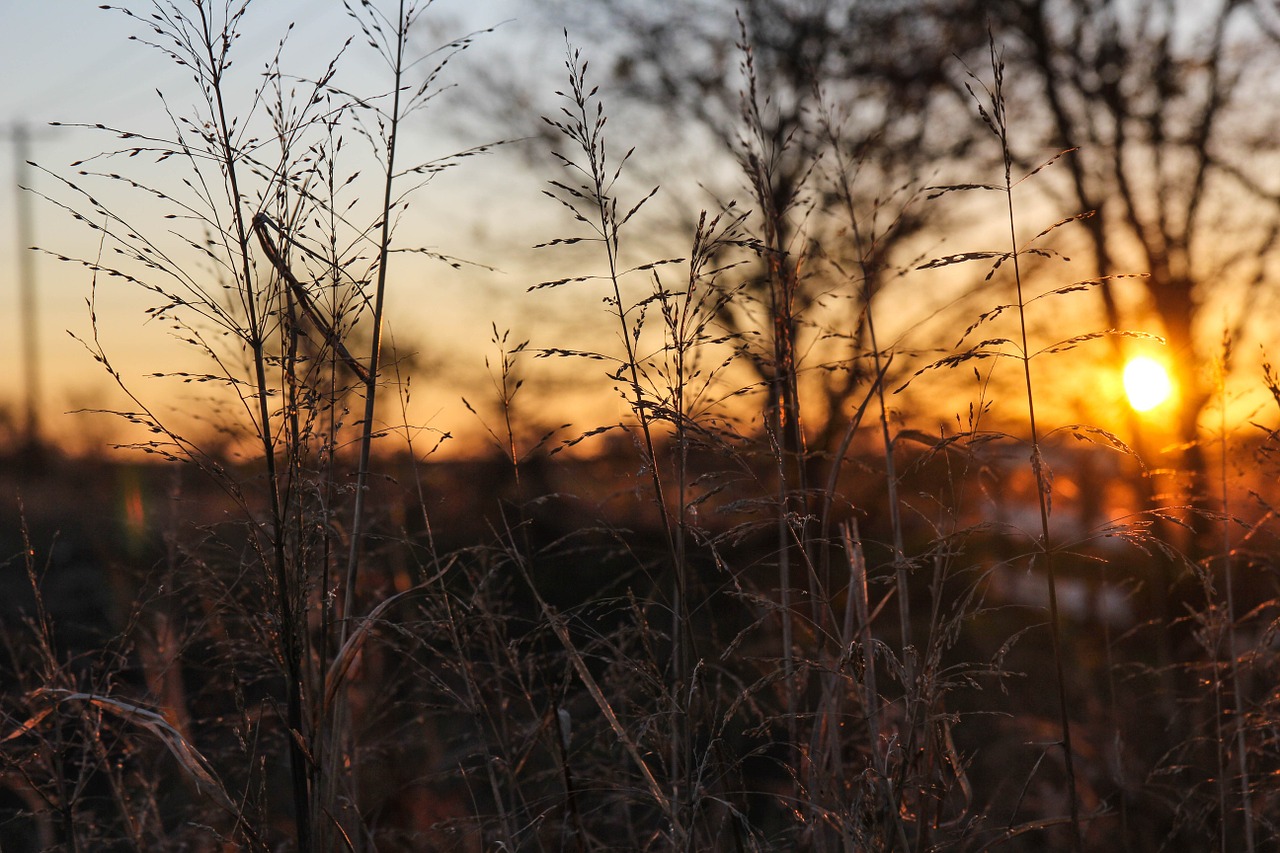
x=1239, y=714
x=339, y=722
x=870, y=274
x=997, y=120
x=596, y=195
x=864, y=247
x=400, y=36
x=783, y=425
x=255, y=330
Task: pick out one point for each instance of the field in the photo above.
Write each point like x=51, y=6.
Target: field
x=823, y=585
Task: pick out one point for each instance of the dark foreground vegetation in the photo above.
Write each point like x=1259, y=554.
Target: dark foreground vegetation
x=792, y=600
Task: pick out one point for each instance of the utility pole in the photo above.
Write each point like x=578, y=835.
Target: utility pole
x=19, y=137
x=28, y=315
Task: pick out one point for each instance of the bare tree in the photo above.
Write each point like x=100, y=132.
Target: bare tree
x=1154, y=98
x=832, y=113
x=1159, y=101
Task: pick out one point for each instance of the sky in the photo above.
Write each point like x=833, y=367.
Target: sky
x=70, y=61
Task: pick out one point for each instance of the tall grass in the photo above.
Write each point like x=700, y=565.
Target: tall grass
x=689, y=628
x=994, y=113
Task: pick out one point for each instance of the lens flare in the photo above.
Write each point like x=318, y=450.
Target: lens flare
x=1146, y=383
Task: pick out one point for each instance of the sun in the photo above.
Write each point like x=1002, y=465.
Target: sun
x=1146, y=383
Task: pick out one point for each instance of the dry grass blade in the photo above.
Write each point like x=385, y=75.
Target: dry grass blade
x=346, y=655
x=190, y=759
x=261, y=222
x=602, y=702
x=29, y=725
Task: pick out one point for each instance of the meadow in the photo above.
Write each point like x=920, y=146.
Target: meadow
x=815, y=588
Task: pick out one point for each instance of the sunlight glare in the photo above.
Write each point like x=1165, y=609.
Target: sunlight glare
x=1146, y=383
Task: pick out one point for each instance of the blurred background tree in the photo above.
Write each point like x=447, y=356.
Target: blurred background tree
x=1163, y=103
x=1159, y=101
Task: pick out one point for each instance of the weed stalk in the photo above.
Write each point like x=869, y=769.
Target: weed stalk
x=997, y=120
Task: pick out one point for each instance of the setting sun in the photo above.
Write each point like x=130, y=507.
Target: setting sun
x=1146, y=383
